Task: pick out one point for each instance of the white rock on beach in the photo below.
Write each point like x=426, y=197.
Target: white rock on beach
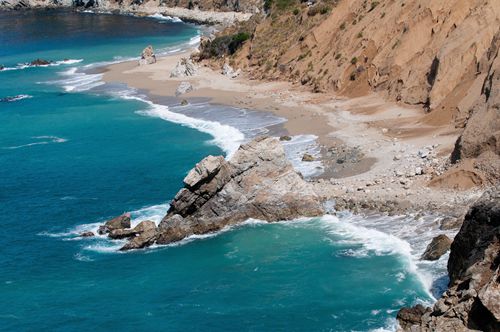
x=185, y=67
x=148, y=56
x=183, y=88
x=228, y=71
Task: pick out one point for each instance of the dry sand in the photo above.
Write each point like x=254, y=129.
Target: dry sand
x=383, y=142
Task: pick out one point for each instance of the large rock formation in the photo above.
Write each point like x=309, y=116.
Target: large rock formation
x=258, y=182
x=148, y=56
x=472, y=301
x=481, y=137
x=185, y=67
x=437, y=248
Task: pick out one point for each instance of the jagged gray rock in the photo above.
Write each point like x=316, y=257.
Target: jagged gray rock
x=184, y=67
x=472, y=301
x=258, y=182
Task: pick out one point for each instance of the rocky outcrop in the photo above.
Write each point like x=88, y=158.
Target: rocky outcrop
x=257, y=182
x=472, y=301
x=148, y=56
x=437, y=248
x=184, y=67
x=480, y=139
x=183, y=88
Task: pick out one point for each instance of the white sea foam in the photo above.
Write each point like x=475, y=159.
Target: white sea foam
x=161, y=17
x=226, y=137
x=45, y=140
x=76, y=81
x=22, y=66
x=295, y=150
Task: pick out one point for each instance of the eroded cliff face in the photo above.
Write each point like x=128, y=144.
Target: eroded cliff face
x=480, y=140
x=418, y=52
x=472, y=301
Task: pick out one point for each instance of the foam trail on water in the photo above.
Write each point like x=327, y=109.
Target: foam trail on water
x=226, y=137
x=78, y=81
x=48, y=140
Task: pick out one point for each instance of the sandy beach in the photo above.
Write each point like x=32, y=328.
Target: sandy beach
x=376, y=154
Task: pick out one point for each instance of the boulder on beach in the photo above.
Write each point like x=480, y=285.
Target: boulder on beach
x=148, y=56
x=120, y=222
x=257, y=182
x=184, y=67
x=39, y=62
x=183, y=88
x=437, y=248
x=307, y=157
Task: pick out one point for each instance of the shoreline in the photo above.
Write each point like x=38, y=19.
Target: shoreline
x=370, y=148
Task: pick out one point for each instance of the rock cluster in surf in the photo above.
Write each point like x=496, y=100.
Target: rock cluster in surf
x=472, y=301
x=257, y=182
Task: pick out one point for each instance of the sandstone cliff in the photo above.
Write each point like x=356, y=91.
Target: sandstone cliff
x=473, y=300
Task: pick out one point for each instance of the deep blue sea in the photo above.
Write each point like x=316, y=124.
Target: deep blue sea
x=74, y=153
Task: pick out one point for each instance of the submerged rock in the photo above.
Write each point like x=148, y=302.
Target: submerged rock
x=437, y=248
x=257, y=182
x=147, y=56
x=472, y=301
x=184, y=67
x=2, y=67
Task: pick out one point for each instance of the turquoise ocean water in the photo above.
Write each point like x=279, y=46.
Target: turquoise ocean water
x=71, y=157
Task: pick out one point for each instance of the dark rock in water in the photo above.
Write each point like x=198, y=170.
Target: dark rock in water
x=472, y=301
x=285, y=138
x=39, y=62
x=258, y=182
x=2, y=67
x=307, y=157
x=120, y=222
x=87, y=234
x=184, y=102
x=437, y=248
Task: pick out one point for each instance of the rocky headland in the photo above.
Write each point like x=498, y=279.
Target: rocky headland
x=257, y=182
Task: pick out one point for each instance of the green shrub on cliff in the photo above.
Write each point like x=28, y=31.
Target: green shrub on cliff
x=224, y=45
